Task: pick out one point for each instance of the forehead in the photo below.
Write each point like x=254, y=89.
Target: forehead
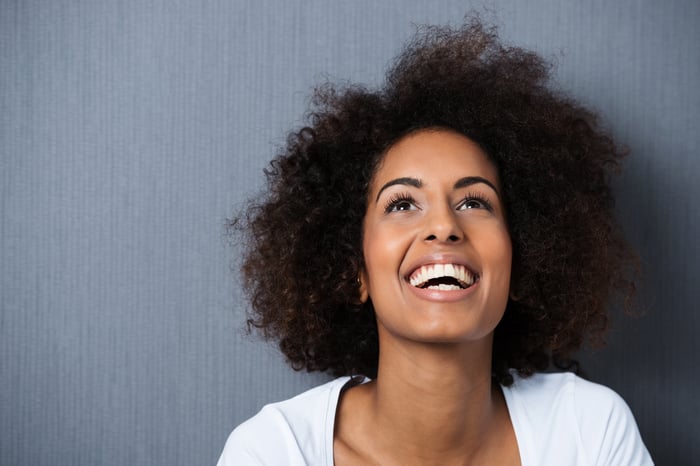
x=435, y=154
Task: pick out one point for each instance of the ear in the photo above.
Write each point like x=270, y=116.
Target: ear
x=513, y=296
x=364, y=289
x=513, y=293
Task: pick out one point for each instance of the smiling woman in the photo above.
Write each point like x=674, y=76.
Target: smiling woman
x=430, y=225
x=438, y=243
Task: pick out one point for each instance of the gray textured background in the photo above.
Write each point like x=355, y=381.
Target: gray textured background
x=130, y=130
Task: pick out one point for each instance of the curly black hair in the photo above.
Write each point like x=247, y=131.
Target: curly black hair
x=303, y=236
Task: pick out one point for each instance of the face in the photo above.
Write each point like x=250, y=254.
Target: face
x=436, y=244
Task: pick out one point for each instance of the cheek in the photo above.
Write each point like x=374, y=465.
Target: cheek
x=383, y=251
x=501, y=258
x=496, y=252
x=504, y=249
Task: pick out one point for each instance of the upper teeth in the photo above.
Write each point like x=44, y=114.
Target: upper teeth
x=428, y=272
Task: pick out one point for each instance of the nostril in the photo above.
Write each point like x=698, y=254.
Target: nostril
x=451, y=238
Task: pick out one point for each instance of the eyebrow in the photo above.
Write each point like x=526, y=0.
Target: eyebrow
x=405, y=180
x=470, y=180
x=461, y=183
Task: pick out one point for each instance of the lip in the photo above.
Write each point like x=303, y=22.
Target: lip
x=441, y=295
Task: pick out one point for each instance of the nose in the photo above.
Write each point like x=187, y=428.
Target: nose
x=442, y=226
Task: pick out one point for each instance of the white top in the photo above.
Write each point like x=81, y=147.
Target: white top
x=559, y=420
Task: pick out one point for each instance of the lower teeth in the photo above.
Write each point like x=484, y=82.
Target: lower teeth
x=444, y=287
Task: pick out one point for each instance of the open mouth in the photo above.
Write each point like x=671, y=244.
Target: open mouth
x=443, y=277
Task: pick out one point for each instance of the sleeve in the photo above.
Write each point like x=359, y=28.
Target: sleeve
x=236, y=452
x=266, y=439
x=607, y=427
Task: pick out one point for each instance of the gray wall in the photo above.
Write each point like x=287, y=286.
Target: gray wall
x=130, y=130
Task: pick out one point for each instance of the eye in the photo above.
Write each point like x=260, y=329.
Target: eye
x=400, y=203
x=475, y=201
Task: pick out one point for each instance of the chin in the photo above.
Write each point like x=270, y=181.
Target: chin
x=446, y=334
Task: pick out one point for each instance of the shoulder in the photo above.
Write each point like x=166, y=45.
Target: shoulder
x=539, y=390
x=559, y=394
x=293, y=431
x=584, y=422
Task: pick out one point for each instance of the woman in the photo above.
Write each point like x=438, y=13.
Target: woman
x=439, y=243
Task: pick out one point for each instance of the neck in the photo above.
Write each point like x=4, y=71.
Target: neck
x=436, y=400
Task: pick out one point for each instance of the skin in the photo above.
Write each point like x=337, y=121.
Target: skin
x=434, y=199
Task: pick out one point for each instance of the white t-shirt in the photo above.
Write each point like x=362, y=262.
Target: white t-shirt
x=559, y=420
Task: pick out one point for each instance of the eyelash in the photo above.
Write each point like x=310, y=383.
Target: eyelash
x=478, y=197
x=399, y=198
